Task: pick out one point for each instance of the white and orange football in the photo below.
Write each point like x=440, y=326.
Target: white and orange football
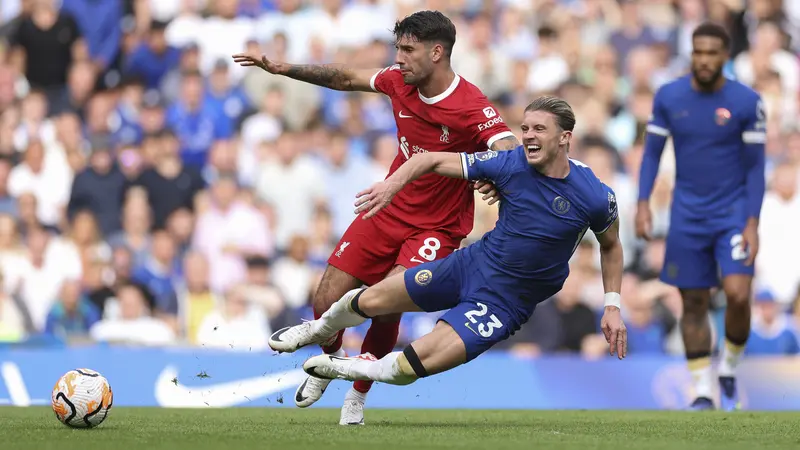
x=82, y=398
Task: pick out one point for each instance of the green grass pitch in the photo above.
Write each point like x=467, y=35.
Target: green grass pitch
x=316, y=429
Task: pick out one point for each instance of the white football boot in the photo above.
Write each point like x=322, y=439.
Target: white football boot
x=290, y=339
x=352, y=413
x=312, y=388
x=333, y=367
x=310, y=391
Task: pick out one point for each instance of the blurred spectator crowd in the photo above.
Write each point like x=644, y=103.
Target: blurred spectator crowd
x=153, y=193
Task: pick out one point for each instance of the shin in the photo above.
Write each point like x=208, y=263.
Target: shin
x=696, y=332
x=737, y=322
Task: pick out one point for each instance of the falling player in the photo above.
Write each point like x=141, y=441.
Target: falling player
x=436, y=111
x=491, y=287
x=718, y=129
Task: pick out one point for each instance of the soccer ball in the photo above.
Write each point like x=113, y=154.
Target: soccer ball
x=82, y=398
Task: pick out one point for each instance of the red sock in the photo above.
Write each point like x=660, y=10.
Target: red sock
x=337, y=344
x=380, y=341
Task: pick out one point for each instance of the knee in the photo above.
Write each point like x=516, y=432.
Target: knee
x=738, y=299
x=695, y=305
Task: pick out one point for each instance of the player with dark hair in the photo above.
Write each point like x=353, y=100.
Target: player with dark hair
x=718, y=131
x=436, y=111
x=492, y=287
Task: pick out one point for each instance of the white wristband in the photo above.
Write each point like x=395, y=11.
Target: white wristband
x=612, y=299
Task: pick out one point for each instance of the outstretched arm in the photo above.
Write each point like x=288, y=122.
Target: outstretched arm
x=333, y=76
x=380, y=195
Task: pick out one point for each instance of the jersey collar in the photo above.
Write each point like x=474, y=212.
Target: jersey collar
x=443, y=95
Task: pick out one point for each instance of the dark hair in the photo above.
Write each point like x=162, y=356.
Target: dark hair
x=191, y=73
x=158, y=25
x=427, y=27
x=547, y=32
x=144, y=291
x=257, y=262
x=710, y=29
x=565, y=118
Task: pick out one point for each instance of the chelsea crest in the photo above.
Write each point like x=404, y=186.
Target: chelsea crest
x=560, y=205
x=423, y=277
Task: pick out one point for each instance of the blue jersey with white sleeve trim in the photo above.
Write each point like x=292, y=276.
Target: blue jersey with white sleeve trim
x=718, y=139
x=542, y=219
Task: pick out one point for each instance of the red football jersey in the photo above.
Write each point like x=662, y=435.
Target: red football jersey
x=461, y=119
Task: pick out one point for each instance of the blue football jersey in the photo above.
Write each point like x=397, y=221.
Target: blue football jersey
x=717, y=138
x=542, y=219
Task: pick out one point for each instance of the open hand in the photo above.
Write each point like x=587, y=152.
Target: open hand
x=258, y=60
x=615, y=332
x=376, y=198
x=750, y=242
x=488, y=190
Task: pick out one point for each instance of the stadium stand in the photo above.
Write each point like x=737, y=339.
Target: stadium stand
x=154, y=193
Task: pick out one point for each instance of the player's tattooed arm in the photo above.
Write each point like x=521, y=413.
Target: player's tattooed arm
x=506, y=143
x=333, y=76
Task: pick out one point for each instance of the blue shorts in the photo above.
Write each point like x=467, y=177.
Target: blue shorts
x=480, y=314
x=697, y=256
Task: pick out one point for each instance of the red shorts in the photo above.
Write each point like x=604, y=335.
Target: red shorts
x=370, y=248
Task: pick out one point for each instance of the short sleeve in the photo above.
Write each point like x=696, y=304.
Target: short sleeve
x=606, y=211
x=485, y=124
x=755, y=123
x=75, y=30
x=658, y=123
x=489, y=165
x=18, y=36
x=385, y=79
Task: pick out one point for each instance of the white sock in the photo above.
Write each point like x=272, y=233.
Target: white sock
x=386, y=370
x=339, y=316
x=731, y=354
x=701, y=376
x=354, y=395
x=340, y=353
